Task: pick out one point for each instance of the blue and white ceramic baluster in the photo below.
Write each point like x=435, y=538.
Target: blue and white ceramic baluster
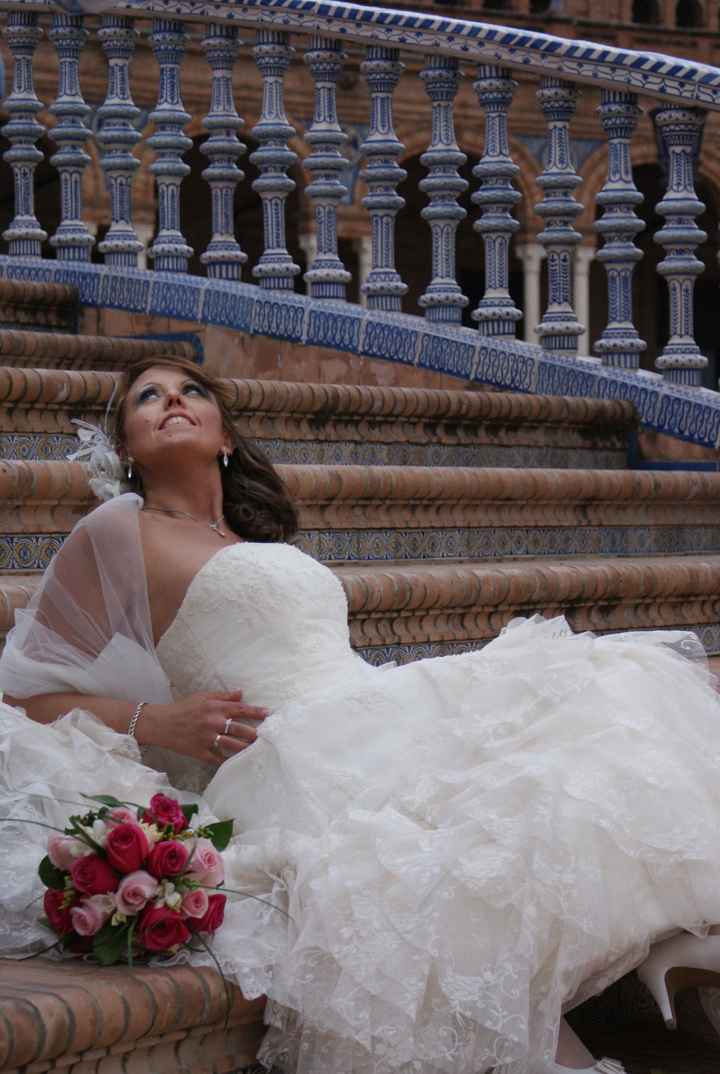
x=72, y=240
x=223, y=258
x=116, y=137
x=680, y=129
x=620, y=344
x=327, y=277
x=276, y=269
x=24, y=236
x=443, y=300
x=383, y=287
x=169, y=251
x=559, y=328
x=496, y=314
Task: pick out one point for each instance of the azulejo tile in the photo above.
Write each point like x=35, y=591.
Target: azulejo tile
x=36, y=446
x=28, y=551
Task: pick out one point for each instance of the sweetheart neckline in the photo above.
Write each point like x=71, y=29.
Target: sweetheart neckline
x=215, y=556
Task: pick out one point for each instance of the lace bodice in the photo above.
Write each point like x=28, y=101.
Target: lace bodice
x=262, y=618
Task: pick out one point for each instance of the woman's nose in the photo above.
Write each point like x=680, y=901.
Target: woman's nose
x=173, y=398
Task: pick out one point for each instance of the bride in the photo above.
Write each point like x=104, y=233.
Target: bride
x=465, y=846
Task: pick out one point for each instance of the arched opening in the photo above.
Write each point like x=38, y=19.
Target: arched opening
x=414, y=255
x=689, y=14
x=646, y=12
x=540, y=7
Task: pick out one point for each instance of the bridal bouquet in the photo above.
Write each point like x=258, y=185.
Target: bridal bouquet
x=128, y=882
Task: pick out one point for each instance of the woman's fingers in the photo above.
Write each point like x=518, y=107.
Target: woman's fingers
x=235, y=710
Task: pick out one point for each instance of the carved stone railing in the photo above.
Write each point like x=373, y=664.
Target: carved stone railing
x=442, y=51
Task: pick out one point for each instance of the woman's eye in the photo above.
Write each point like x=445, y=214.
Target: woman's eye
x=195, y=388
x=146, y=393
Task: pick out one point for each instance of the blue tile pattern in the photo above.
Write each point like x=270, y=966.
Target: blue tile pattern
x=687, y=413
x=28, y=551
x=543, y=54
x=491, y=542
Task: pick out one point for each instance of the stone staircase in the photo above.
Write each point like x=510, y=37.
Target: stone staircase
x=445, y=514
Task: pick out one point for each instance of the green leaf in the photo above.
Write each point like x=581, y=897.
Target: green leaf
x=130, y=933
x=189, y=811
x=105, y=799
x=219, y=833
x=110, y=943
x=51, y=876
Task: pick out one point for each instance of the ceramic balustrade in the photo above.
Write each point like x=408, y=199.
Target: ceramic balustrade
x=448, y=50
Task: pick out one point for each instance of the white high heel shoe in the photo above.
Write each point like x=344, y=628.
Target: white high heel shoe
x=683, y=961
x=601, y=1066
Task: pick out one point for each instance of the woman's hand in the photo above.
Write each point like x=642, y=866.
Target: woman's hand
x=203, y=726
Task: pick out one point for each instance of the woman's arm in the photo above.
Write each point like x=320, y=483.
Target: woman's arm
x=190, y=726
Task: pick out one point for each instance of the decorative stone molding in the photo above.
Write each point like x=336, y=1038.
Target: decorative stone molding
x=80, y=352
x=38, y=305
x=62, y=1015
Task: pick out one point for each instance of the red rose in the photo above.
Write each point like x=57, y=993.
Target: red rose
x=165, y=812
x=213, y=918
x=161, y=928
x=57, y=914
x=127, y=847
x=93, y=876
x=167, y=858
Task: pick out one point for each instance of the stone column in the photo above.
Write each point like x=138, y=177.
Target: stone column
x=531, y=254
x=584, y=257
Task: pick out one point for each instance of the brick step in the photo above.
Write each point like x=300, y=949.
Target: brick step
x=41, y=306
x=57, y=350
x=400, y=513
x=334, y=423
x=169, y=1020
x=402, y=611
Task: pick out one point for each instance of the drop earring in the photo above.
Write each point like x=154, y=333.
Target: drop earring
x=225, y=458
x=130, y=469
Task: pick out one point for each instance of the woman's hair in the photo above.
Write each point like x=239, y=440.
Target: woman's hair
x=256, y=503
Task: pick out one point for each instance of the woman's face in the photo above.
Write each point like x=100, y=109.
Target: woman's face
x=167, y=413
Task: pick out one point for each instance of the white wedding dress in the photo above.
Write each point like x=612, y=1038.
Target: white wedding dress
x=464, y=845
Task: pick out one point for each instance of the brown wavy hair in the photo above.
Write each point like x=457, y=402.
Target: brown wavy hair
x=256, y=503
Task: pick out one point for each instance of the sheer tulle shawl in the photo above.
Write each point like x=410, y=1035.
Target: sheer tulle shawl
x=88, y=629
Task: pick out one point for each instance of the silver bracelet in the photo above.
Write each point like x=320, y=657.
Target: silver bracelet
x=135, y=717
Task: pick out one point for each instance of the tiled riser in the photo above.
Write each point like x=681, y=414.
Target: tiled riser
x=57, y=446
x=29, y=552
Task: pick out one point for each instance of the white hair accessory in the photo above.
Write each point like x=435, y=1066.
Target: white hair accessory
x=97, y=453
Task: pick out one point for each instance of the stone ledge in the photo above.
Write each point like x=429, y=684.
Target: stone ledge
x=38, y=305
x=49, y=349
x=59, y=1015
x=413, y=603
x=49, y=497
x=334, y=423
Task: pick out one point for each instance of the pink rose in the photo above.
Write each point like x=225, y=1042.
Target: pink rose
x=89, y=916
x=92, y=875
x=165, y=812
x=161, y=928
x=57, y=914
x=122, y=815
x=127, y=847
x=206, y=864
x=213, y=918
x=63, y=850
x=195, y=903
x=168, y=858
x=135, y=890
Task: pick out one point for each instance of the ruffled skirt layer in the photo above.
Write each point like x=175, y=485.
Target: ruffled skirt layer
x=458, y=849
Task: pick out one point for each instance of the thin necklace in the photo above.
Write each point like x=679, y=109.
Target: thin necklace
x=183, y=514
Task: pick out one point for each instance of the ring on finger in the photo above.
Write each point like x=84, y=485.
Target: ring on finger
x=216, y=743
x=228, y=725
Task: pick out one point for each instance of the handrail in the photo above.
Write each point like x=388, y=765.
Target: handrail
x=654, y=74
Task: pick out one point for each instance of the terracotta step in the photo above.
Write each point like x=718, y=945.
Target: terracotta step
x=58, y=1016
x=333, y=423
x=53, y=350
x=39, y=306
x=401, y=611
x=403, y=513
